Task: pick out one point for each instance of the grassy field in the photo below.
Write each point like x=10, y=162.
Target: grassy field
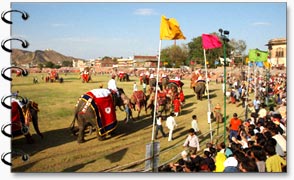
x=59, y=150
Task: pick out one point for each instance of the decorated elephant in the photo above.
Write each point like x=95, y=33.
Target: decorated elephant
x=139, y=101
x=126, y=77
x=120, y=76
x=164, y=82
x=86, y=74
x=53, y=76
x=152, y=82
x=163, y=103
x=21, y=118
x=95, y=109
x=123, y=76
x=144, y=78
x=199, y=89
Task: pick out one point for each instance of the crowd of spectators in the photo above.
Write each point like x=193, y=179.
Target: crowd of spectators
x=257, y=143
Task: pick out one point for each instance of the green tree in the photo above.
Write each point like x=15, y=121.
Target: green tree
x=49, y=64
x=40, y=65
x=106, y=58
x=174, y=55
x=238, y=48
x=66, y=63
x=195, y=50
x=196, y=53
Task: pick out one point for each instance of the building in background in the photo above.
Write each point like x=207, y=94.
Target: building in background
x=278, y=52
x=145, y=61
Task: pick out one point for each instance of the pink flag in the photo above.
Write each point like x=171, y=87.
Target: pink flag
x=210, y=41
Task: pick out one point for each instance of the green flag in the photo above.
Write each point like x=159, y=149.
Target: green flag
x=256, y=55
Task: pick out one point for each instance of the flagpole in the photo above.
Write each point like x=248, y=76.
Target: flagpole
x=156, y=87
x=154, y=111
x=247, y=94
x=208, y=100
x=225, y=91
x=255, y=80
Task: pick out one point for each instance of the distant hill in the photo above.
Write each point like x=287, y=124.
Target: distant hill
x=20, y=57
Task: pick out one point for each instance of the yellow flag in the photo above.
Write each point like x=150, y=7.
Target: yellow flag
x=170, y=29
x=267, y=64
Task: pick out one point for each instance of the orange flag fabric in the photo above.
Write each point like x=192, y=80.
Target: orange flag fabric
x=170, y=29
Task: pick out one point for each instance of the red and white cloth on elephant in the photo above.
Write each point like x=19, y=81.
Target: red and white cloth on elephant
x=161, y=98
x=104, y=103
x=86, y=76
x=169, y=93
x=121, y=75
x=138, y=96
x=17, y=116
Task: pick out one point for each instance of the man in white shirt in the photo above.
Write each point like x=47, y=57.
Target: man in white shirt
x=135, y=87
x=112, y=84
x=194, y=123
x=159, y=127
x=171, y=124
x=192, y=141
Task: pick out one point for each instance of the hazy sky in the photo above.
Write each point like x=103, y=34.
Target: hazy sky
x=91, y=30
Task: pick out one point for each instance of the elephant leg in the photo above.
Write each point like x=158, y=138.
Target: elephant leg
x=194, y=91
x=138, y=117
x=99, y=136
x=29, y=138
x=81, y=135
x=145, y=106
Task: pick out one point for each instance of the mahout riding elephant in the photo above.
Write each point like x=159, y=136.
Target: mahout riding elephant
x=94, y=109
x=21, y=118
x=199, y=89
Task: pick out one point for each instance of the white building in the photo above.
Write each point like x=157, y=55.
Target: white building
x=278, y=52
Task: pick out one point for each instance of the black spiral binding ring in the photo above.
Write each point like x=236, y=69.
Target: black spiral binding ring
x=22, y=100
x=24, y=44
x=24, y=129
x=24, y=72
x=24, y=15
x=24, y=156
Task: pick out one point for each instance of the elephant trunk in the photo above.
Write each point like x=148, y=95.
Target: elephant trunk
x=35, y=122
x=72, y=125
